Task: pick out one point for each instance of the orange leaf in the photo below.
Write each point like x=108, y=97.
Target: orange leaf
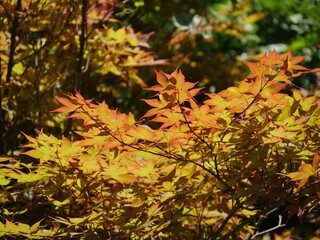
x=305, y=171
x=68, y=106
x=257, y=70
x=316, y=158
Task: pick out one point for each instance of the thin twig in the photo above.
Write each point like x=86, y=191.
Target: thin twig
x=279, y=225
x=244, y=222
x=232, y=213
x=166, y=154
x=217, y=175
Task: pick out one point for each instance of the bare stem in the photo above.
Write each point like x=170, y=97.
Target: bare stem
x=279, y=225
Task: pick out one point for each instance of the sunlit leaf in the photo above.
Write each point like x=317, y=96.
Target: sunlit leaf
x=305, y=171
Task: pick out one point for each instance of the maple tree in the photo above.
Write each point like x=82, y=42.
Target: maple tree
x=50, y=47
x=104, y=48
x=186, y=169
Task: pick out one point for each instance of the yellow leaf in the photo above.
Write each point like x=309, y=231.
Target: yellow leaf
x=147, y=170
x=4, y=159
x=248, y=213
x=76, y=220
x=35, y=227
x=31, y=177
x=23, y=228
x=254, y=17
x=119, y=173
x=141, y=132
x=11, y=227
x=132, y=39
x=4, y=181
x=89, y=164
x=167, y=185
x=95, y=140
x=61, y=204
x=18, y=68
x=41, y=153
x=120, y=34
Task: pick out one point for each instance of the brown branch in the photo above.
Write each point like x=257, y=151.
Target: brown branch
x=2, y=152
x=241, y=114
x=82, y=44
x=78, y=70
x=232, y=213
x=217, y=175
x=166, y=154
x=13, y=33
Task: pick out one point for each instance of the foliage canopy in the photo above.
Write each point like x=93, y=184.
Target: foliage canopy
x=209, y=170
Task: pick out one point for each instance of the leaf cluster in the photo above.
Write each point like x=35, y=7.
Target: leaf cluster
x=210, y=170
x=50, y=47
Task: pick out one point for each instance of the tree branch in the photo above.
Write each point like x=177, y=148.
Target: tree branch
x=279, y=225
x=217, y=175
x=13, y=33
x=82, y=44
x=233, y=211
x=2, y=152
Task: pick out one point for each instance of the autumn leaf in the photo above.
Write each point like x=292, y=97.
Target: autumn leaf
x=271, y=60
x=67, y=107
x=41, y=153
x=148, y=170
x=316, y=160
x=257, y=70
x=305, y=171
x=141, y=132
x=197, y=164
x=291, y=63
x=119, y=173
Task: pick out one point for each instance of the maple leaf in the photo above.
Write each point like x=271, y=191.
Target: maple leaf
x=172, y=90
x=257, y=70
x=316, y=159
x=119, y=173
x=305, y=171
x=271, y=60
x=67, y=107
x=141, y=132
x=291, y=63
x=201, y=116
x=218, y=103
x=148, y=170
x=162, y=79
